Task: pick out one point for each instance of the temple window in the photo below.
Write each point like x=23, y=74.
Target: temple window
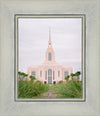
x=49, y=57
x=66, y=73
x=33, y=73
x=49, y=72
x=40, y=73
x=53, y=75
x=58, y=73
x=45, y=75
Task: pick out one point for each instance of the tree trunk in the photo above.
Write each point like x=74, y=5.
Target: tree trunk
x=78, y=77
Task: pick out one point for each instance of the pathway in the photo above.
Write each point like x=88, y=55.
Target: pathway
x=49, y=94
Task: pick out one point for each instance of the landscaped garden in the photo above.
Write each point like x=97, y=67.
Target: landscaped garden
x=36, y=89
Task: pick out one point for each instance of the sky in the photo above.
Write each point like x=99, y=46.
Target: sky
x=33, y=37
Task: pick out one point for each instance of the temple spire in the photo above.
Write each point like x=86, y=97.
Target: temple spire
x=49, y=37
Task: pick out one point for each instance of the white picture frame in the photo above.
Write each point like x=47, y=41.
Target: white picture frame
x=8, y=106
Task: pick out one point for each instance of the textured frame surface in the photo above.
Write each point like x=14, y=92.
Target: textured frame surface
x=8, y=106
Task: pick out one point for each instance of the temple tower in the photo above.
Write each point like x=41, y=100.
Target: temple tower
x=50, y=55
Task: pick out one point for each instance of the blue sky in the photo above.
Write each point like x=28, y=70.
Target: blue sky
x=66, y=38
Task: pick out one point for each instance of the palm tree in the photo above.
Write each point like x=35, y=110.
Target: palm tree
x=26, y=75
x=77, y=74
x=67, y=78
x=19, y=74
x=32, y=78
x=23, y=75
x=72, y=75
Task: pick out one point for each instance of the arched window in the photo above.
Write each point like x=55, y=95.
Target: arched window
x=49, y=56
x=45, y=75
x=33, y=73
x=49, y=72
x=53, y=75
x=49, y=76
x=58, y=73
x=40, y=73
x=66, y=73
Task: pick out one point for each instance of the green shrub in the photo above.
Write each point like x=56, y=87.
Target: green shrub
x=32, y=78
x=72, y=89
x=67, y=78
x=60, y=82
x=29, y=89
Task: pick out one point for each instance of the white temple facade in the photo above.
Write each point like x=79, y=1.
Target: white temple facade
x=50, y=71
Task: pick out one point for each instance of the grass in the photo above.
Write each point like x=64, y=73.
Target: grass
x=72, y=89
x=30, y=89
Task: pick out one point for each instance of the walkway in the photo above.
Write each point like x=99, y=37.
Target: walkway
x=49, y=94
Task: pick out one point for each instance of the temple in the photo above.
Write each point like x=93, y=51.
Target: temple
x=50, y=71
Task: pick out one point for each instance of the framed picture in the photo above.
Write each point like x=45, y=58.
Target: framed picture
x=50, y=81
x=49, y=58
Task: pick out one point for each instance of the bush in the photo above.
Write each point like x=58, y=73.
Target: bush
x=32, y=78
x=72, y=89
x=60, y=82
x=29, y=89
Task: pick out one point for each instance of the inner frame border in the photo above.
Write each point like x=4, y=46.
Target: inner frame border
x=83, y=57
